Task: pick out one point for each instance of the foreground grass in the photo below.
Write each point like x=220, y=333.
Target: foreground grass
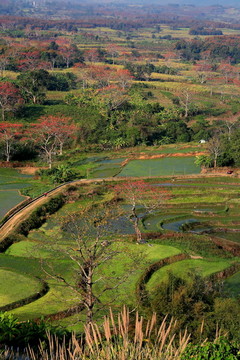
x=123, y=339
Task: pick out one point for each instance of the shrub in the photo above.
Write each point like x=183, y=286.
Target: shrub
x=55, y=204
x=220, y=350
x=38, y=217
x=21, y=334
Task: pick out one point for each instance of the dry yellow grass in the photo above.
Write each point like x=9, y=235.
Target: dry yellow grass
x=166, y=77
x=120, y=339
x=10, y=74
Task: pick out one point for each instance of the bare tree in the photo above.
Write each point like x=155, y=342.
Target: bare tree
x=230, y=124
x=93, y=250
x=185, y=97
x=214, y=147
x=203, y=69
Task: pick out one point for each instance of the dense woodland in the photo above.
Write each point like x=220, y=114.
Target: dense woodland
x=154, y=86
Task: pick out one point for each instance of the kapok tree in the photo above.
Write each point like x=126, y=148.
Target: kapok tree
x=9, y=134
x=214, y=147
x=93, y=252
x=45, y=138
x=51, y=133
x=123, y=78
x=185, y=96
x=144, y=195
x=112, y=98
x=9, y=97
x=68, y=53
x=64, y=130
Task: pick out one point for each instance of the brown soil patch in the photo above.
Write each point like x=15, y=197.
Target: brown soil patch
x=227, y=245
x=28, y=170
x=195, y=257
x=222, y=171
x=158, y=156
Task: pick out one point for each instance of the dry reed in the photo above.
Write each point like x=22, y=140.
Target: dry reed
x=121, y=340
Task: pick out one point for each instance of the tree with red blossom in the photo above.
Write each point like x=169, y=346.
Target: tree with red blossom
x=9, y=97
x=51, y=133
x=9, y=134
x=92, y=55
x=112, y=97
x=203, y=70
x=143, y=195
x=64, y=130
x=123, y=78
x=70, y=54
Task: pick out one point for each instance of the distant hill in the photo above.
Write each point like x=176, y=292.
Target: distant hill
x=229, y=3
x=225, y=3
x=222, y=10
x=235, y=3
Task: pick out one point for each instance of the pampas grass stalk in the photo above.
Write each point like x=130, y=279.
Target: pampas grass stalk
x=117, y=340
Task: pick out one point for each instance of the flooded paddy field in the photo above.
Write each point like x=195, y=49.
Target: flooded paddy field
x=166, y=166
x=11, y=181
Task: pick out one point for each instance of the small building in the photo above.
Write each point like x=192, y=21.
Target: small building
x=202, y=141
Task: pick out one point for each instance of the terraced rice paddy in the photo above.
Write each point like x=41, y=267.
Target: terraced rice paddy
x=165, y=232
x=184, y=267
x=12, y=290
x=107, y=168
x=160, y=167
x=169, y=166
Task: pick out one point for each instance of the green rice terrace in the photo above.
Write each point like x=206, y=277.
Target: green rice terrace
x=194, y=227
x=147, y=164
